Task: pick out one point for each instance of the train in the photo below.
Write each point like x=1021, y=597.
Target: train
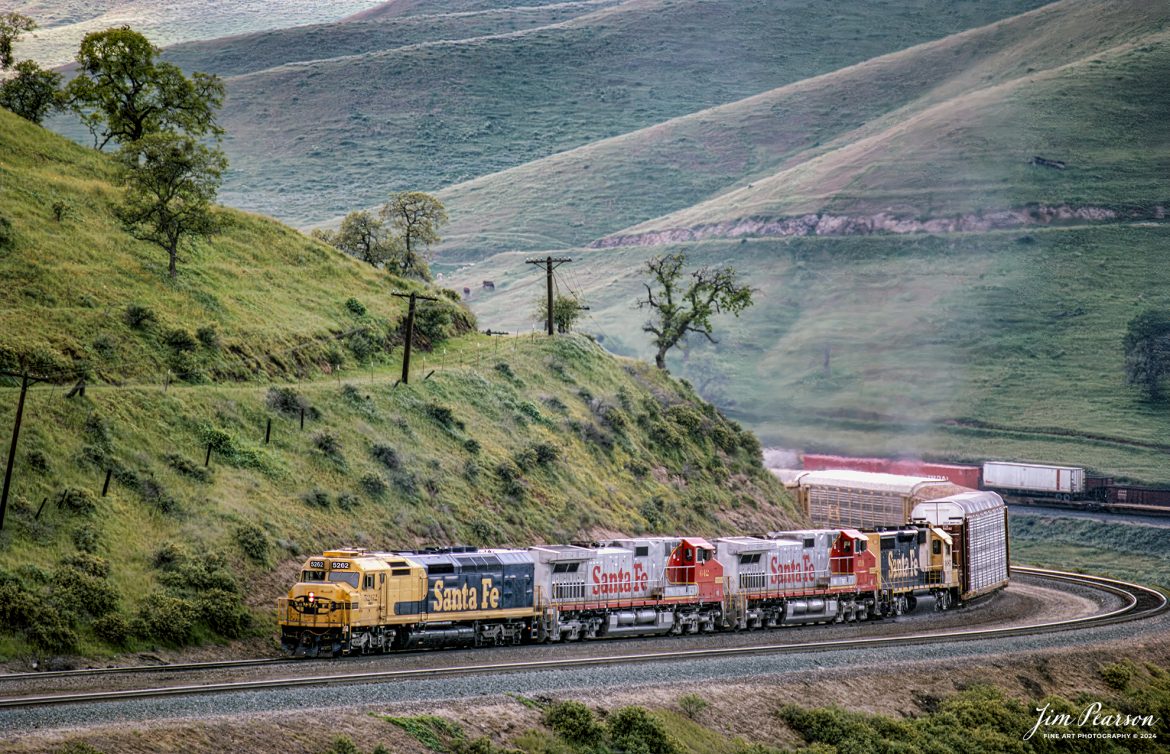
x=1036, y=483
x=354, y=601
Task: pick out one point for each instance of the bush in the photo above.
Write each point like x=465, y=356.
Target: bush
x=254, y=542
x=472, y=446
x=222, y=612
x=168, y=555
x=209, y=337
x=342, y=744
x=347, y=501
x=187, y=468
x=505, y=369
x=633, y=729
x=546, y=453
x=154, y=494
x=692, y=705
x=443, y=416
x=525, y=459
x=138, y=317
x=180, y=340
x=373, y=485
x=288, y=402
x=37, y=462
x=471, y=470
x=167, y=619
x=317, y=498
x=327, y=442
x=113, y=629
x=407, y=483
x=574, y=722
x=361, y=346
x=386, y=455
x=105, y=346
x=18, y=606
x=86, y=538
x=52, y=631
x=357, y=308
x=86, y=563
x=1118, y=675
x=77, y=500
x=197, y=575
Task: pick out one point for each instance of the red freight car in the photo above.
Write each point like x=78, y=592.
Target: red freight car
x=962, y=475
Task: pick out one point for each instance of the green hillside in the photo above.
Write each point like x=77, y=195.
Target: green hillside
x=494, y=441
x=879, y=136
x=311, y=142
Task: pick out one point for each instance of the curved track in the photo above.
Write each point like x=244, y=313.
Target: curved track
x=1138, y=602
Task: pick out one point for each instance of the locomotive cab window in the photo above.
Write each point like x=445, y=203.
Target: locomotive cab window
x=808, y=542
x=847, y=546
x=370, y=581
x=641, y=552
x=862, y=545
x=312, y=575
x=937, y=549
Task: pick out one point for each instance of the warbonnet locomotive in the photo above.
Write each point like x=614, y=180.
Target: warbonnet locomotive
x=354, y=601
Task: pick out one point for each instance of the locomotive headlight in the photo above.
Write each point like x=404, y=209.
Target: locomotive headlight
x=312, y=598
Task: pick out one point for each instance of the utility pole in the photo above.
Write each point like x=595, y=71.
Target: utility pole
x=548, y=263
x=410, y=331
x=12, y=448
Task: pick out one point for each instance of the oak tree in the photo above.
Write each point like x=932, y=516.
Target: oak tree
x=566, y=311
x=171, y=181
x=683, y=304
x=416, y=218
x=32, y=91
x=1147, y=352
x=364, y=236
x=123, y=92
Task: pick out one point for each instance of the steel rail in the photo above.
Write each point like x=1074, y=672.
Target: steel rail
x=1132, y=595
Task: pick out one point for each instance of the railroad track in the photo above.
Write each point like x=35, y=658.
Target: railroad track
x=1139, y=602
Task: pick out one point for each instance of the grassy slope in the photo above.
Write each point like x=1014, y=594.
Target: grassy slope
x=66, y=284
x=571, y=198
x=1102, y=113
x=264, y=285
x=249, y=53
x=431, y=115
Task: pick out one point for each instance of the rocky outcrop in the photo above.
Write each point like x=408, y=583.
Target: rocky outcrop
x=826, y=224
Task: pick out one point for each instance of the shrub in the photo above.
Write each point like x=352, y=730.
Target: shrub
x=77, y=500
x=692, y=705
x=254, y=542
x=180, y=340
x=138, y=317
x=686, y=417
x=85, y=539
x=509, y=474
x=37, y=462
x=316, y=498
x=342, y=744
x=471, y=470
x=347, y=501
x=86, y=563
x=105, y=346
x=168, y=555
x=187, y=468
x=157, y=496
x=443, y=416
x=18, y=606
x=167, y=619
x=60, y=210
x=113, y=629
x=231, y=451
x=361, y=346
x=546, y=453
x=96, y=429
x=288, y=402
x=186, y=367
x=373, y=485
x=52, y=631
x=613, y=417
x=197, y=575
x=574, y=722
x=472, y=446
x=555, y=403
x=407, y=483
x=357, y=308
x=386, y=455
x=525, y=459
x=81, y=591
x=633, y=729
x=222, y=612
x=327, y=442
x=1118, y=675
x=209, y=337
x=505, y=369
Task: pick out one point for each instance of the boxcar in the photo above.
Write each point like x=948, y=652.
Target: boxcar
x=863, y=500
x=977, y=523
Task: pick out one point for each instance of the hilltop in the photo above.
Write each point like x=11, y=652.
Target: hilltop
x=434, y=100
x=216, y=490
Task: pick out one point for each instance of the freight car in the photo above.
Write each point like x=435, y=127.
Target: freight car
x=862, y=499
x=354, y=601
x=977, y=523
